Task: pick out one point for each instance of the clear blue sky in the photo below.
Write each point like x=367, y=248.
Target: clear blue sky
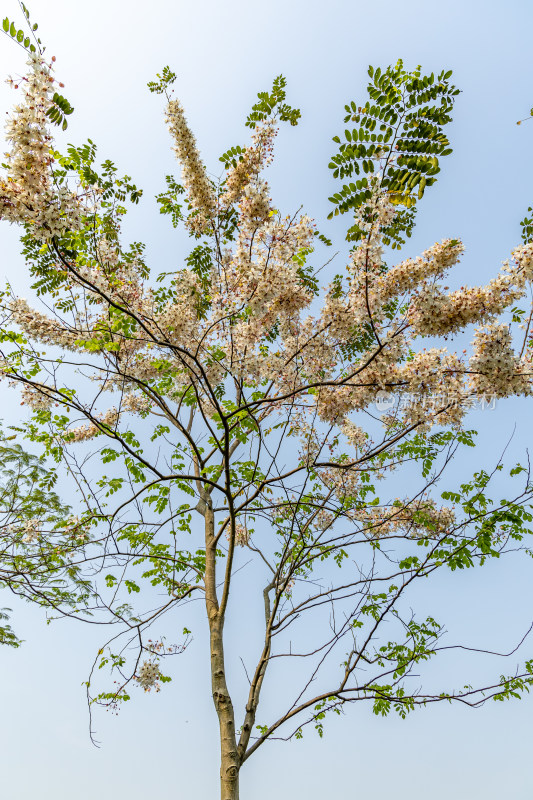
x=224, y=52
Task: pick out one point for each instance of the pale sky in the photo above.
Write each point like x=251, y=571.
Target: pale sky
x=224, y=53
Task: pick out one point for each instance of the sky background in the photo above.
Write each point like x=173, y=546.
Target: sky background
x=224, y=53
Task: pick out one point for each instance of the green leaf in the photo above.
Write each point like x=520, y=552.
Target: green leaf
x=273, y=104
x=62, y=103
x=165, y=79
x=5, y=25
x=410, y=111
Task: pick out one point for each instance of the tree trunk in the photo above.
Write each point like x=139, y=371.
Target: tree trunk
x=229, y=759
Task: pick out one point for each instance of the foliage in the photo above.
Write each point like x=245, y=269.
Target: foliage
x=400, y=131
x=29, y=506
x=273, y=103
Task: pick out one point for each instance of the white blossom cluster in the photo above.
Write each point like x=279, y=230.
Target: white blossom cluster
x=495, y=370
x=259, y=285
x=242, y=535
x=417, y=518
x=31, y=530
x=42, y=328
x=409, y=274
x=195, y=180
x=113, y=275
x=255, y=203
x=355, y=435
x=374, y=371
x=345, y=484
x=136, y=403
x=433, y=373
x=77, y=529
x=434, y=313
x=148, y=675
x=82, y=433
x=252, y=161
x=179, y=318
x=37, y=399
x=130, y=403
x=27, y=193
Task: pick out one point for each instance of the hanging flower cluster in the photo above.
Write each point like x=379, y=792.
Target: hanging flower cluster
x=27, y=192
x=148, y=675
x=241, y=537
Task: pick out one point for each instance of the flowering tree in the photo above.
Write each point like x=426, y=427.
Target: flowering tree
x=228, y=415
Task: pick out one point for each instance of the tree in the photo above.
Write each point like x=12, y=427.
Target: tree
x=229, y=438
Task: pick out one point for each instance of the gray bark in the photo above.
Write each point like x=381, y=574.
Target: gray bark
x=229, y=759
